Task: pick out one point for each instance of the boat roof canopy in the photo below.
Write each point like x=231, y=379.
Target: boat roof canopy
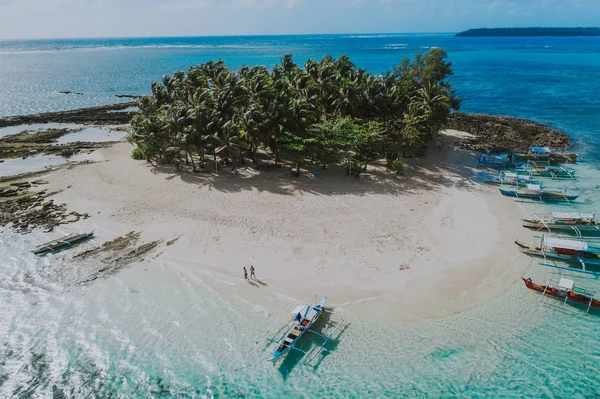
x=565, y=244
x=534, y=187
x=572, y=215
x=540, y=150
x=566, y=284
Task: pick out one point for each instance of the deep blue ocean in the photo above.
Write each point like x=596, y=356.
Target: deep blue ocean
x=547, y=79
x=161, y=330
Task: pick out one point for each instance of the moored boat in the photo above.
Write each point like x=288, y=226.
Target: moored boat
x=505, y=178
x=566, y=290
x=555, y=172
x=303, y=318
x=565, y=250
x=534, y=191
x=545, y=154
x=496, y=161
x=62, y=244
x=579, y=223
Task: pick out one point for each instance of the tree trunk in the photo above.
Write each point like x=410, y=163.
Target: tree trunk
x=193, y=164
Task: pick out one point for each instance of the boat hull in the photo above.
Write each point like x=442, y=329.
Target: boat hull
x=298, y=328
x=553, y=292
x=552, y=159
x=535, y=224
x=60, y=245
x=588, y=258
x=541, y=196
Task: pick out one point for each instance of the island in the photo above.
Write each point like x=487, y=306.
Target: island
x=512, y=32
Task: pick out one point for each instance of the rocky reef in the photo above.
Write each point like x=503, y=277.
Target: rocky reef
x=104, y=115
x=25, y=205
x=502, y=133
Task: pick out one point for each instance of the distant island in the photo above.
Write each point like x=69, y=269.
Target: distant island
x=506, y=32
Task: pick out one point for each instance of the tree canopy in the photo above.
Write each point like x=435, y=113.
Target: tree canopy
x=323, y=112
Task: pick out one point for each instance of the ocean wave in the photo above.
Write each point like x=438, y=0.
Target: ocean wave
x=136, y=47
x=377, y=36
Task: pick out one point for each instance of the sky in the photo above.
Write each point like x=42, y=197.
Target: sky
x=139, y=18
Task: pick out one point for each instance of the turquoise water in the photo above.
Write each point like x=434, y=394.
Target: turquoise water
x=162, y=330
x=158, y=329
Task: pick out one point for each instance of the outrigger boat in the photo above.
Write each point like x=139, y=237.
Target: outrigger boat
x=565, y=250
x=565, y=290
x=496, y=161
x=578, y=223
x=535, y=192
x=555, y=172
x=303, y=318
x=545, y=154
x=62, y=244
x=506, y=178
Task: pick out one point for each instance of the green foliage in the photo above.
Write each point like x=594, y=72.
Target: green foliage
x=137, y=154
x=398, y=165
x=327, y=111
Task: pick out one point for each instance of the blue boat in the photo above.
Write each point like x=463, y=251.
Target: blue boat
x=62, y=244
x=303, y=318
x=496, y=161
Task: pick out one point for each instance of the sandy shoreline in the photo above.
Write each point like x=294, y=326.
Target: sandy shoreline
x=424, y=245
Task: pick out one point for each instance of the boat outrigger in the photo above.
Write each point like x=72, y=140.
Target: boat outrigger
x=535, y=192
x=503, y=178
x=565, y=250
x=578, y=223
x=62, y=244
x=303, y=318
x=496, y=161
x=545, y=154
x=566, y=290
x=555, y=172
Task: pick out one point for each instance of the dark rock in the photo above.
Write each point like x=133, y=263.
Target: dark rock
x=505, y=133
x=21, y=184
x=97, y=115
x=71, y=92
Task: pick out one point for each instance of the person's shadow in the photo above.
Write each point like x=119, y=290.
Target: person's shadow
x=260, y=282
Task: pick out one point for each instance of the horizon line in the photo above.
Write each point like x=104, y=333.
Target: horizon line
x=223, y=36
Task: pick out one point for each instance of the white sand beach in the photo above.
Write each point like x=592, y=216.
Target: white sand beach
x=423, y=245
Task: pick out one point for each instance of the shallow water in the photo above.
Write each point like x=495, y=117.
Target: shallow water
x=37, y=163
x=94, y=134
x=83, y=133
x=152, y=331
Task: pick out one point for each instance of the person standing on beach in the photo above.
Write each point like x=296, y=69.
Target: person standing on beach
x=246, y=274
x=252, y=275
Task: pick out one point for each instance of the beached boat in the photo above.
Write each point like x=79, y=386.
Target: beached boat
x=545, y=154
x=535, y=192
x=556, y=172
x=61, y=244
x=566, y=290
x=578, y=223
x=565, y=250
x=303, y=318
x=496, y=161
